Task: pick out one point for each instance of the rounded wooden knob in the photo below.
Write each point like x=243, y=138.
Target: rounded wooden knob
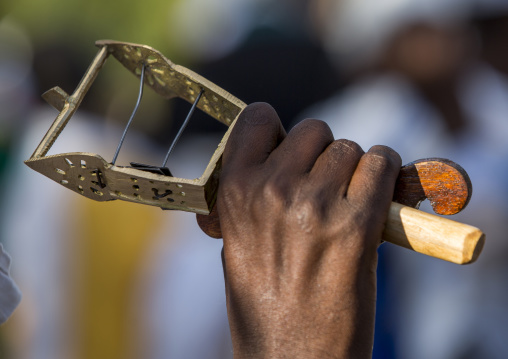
x=443, y=182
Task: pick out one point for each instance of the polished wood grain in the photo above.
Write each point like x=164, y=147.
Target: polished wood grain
x=443, y=182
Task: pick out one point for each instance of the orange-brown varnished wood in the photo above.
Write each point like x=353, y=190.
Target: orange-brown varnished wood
x=443, y=182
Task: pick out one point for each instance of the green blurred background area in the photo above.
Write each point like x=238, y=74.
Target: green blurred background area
x=78, y=23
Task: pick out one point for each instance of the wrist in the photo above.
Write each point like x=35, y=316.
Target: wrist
x=327, y=348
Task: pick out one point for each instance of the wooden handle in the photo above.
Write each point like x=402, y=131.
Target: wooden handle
x=433, y=235
x=448, y=188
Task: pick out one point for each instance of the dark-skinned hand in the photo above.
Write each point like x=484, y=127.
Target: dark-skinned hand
x=301, y=216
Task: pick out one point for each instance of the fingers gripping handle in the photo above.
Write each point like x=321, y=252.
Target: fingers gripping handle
x=433, y=235
x=409, y=228
x=448, y=188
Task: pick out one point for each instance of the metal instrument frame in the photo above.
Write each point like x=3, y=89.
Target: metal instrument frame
x=93, y=177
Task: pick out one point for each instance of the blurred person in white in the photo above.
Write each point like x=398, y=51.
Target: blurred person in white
x=10, y=296
x=423, y=85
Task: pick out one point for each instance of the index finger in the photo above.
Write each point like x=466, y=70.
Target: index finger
x=257, y=132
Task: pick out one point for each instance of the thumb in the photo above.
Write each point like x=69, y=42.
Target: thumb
x=210, y=224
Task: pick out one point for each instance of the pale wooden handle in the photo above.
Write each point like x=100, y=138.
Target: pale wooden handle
x=433, y=235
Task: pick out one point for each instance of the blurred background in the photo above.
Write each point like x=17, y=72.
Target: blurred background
x=118, y=280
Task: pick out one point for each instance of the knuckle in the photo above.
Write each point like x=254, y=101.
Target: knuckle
x=311, y=126
x=256, y=190
x=345, y=150
x=231, y=191
x=314, y=124
x=307, y=214
x=349, y=146
x=267, y=201
x=258, y=113
x=383, y=159
x=275, y=189
x=235, y=187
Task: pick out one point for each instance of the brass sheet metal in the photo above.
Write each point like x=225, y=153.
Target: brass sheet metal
x=79, y=172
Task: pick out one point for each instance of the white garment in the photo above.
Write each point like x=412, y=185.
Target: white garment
x=443, y=310
x=10, y=296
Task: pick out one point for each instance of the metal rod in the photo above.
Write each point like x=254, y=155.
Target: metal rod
x=132, y=115
x=180, y=131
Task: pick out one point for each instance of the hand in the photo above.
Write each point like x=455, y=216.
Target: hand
x=301, y=216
